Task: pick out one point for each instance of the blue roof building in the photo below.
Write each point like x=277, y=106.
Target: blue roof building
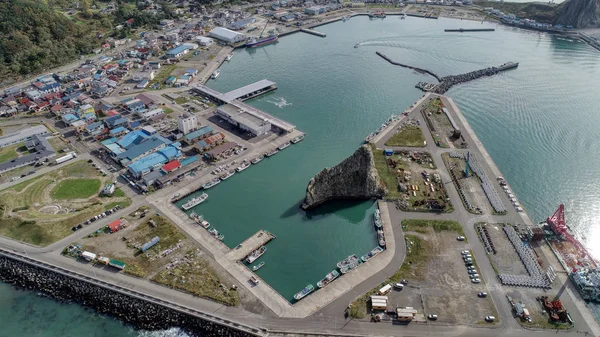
x=118, y=131
x=135, y=105
x=69, y=118
x=144, y=148
x=95, y=128
x=171, y=80
x=153, y=161
x=116, y=120
x=134, y=125
x=188, y=160
x=179, y=51
x=133, y=138
x=204, y=131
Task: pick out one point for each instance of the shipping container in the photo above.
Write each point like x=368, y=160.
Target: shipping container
x=88, y=256
x=117, y=264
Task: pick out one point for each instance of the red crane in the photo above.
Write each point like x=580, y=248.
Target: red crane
x=559, y=226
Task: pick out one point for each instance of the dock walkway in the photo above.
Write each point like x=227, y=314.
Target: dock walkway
x=249, y=245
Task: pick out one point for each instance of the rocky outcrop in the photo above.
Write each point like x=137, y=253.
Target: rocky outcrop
x=580, y=13
x=354, y=178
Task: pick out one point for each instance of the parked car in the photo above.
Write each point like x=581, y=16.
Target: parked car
x=490, y=318
x=472, y=271
x=468, y=259
x=482, y=294
x=432, y=317
x=476, y=280
x=471, y=268
x=460, y=238
x=399, y=286
x=465, y=252
x=405, y=282
x=474, y=276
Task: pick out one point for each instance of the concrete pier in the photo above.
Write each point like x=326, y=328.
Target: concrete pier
x=461, y=30
x=313, y=32
x=249, y=245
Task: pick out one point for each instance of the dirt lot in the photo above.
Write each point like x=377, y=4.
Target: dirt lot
x=438, y=282
x=527, y=298
x=439, y=125
x=506, y=260
x=471, y=186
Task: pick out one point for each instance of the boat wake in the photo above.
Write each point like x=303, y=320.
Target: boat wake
x=427, y=52
x=280, y=102
x=172, y=332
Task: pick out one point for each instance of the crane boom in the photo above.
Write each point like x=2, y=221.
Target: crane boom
x=265, y=27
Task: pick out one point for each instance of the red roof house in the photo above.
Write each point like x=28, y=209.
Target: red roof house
x=117, y=225
x=171, y=166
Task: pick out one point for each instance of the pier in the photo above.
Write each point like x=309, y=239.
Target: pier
x=448, y=82
x=420, y=70
x=461, y=30
x=313, y=32
x=237, y=96
x=249, y=245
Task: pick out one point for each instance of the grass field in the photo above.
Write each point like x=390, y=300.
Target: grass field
x=197, y=277
x=58, y=144
x=163, y=74
x=42, y=210
x=75, y=189
x=437, y=225
x=386, y=174
x=409, y=135
x=9, y=152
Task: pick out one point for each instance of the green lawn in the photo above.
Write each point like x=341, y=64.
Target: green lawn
x=10, y=152
x=386, y=174
x=409, y=135
x=163, y=74
x=168, y=110
x=76, y=189
x=181, y=100
x=437, y=225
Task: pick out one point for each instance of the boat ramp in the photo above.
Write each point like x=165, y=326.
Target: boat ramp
x=313, y=32
x=251, y=244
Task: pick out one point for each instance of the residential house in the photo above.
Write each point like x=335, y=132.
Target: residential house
x=115, y=121
x=79, y=126
x=118, y=131
x=134, y=105
x=95, y=129
x=68, y=119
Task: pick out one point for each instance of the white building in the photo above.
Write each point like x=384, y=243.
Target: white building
x=151, y=113
x=143, y=75
x=187, y=123
x=244, y=120
x=23, y=135
x=204, y=41
x=226, y=35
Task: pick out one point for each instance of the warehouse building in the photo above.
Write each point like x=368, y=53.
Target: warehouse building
x=244, y=120
x=204, y=41
x=181, y=50
x=23, y=135
x=242, y=24
x=226, y=35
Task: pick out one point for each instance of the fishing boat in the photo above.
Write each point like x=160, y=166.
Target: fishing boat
x=302, y=293
x=328, y=278
x=211, y=183
x=215, y=74
x=228, y=57
x=258, y=266
x=220, y=237
x=357, y=45
x=284, y=146
x=381, y=238
x=227, y=175
x=271, y=153
x=193, y=216
x=348, y=268
x=205, y=224
x=253, y=42
x=242, y=167
x=371, y=254
x=297, y=139
x=403, y=16
x=256, y=254
x=377, y=219
x=257, y=159
x=254, y=280
x=347, y=261
x=194, y=201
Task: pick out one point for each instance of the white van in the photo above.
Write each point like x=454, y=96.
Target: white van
x=385, y=289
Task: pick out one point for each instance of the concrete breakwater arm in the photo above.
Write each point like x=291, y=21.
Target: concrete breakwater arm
x=423, y=71
x=141, y=310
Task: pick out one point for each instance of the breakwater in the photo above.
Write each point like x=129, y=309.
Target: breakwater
x=420, y=70
x=139, y=310
x=460, y=30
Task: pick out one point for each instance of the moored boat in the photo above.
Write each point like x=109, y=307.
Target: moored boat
x=227, y=175
x=297, y=139
x=272, y=152
x=350, y=267
x=257, y=160
x=381, y=238
x=215, y=74
x=256, y=254
x=371, y=254
x=194, y=201
x=284, y=146
x=302, y=293
x=253, y=42
x=228, y=57
x=347, y=261
x=204, y=224
x=242, y=167
x=328, y=278
x=258, y=266
x=211, y=183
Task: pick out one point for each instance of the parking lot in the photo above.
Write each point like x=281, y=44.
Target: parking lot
x=442, y=286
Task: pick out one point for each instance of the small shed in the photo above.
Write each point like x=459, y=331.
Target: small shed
x=116, y=225
x=388, y=152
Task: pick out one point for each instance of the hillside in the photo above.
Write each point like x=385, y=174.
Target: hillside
x=34, y=37
x=541, y=12
x=580, y=13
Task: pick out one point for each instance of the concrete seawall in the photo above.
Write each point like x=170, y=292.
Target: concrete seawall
x=423, y=71
x=140, y=310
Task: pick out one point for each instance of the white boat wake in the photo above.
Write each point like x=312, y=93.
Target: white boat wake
x=279, y=102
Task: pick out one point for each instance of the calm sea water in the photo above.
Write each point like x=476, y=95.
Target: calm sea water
x=538, y=122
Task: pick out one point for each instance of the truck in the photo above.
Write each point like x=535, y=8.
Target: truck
x=65, y=158
x=385, y=289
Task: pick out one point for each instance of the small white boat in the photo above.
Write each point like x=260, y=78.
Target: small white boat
x=228, y=57
x=258, y=266
x=215, y=74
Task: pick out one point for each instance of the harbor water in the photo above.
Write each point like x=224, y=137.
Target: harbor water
x=538, y=122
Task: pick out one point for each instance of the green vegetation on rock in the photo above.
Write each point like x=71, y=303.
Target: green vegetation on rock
x=539, y=11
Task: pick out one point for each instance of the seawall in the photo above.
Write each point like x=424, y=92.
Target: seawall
x=140, y=310
x=423, y=71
